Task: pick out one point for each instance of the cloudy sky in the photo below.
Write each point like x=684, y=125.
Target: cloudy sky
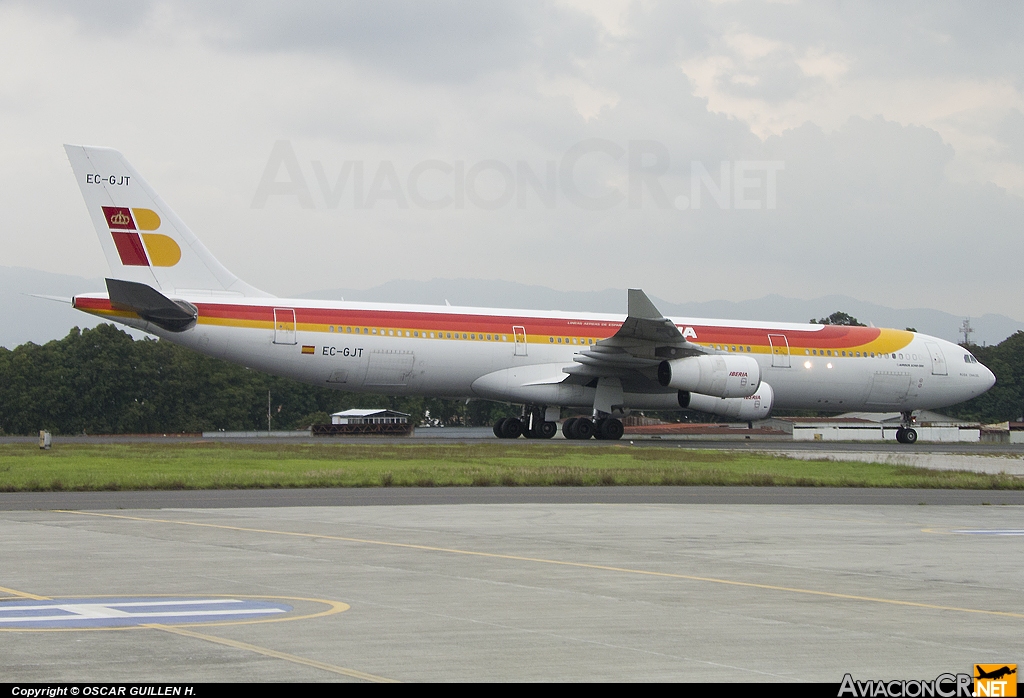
x=721, y=150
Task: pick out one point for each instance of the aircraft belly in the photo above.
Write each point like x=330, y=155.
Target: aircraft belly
x=841, y=388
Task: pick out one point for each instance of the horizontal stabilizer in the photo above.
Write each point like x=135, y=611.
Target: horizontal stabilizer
x=151, y=305
x=58, y=299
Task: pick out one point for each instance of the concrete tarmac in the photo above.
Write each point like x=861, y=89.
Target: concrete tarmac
x=529, y=591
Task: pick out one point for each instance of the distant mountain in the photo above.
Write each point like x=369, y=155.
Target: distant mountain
x=26, y=319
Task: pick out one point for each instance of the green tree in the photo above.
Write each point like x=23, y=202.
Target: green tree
x=101, y=381
x=1005, y=400
x=839, y=318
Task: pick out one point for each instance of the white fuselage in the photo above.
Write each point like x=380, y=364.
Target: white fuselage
x=519, y=355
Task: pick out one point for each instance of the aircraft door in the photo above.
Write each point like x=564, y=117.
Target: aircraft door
x=519, y=334
x=284, y=326
x=938, y=359
x=780, y=350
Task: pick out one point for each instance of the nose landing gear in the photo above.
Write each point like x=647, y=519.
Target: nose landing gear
x=906, y=434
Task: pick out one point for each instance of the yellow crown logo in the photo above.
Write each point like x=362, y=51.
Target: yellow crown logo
x=120, y=218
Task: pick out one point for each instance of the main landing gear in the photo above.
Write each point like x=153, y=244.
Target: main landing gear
x=605, y=428
x=531, y=425
x=906, y=434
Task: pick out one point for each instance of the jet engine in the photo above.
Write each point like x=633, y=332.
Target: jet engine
x=728, y=376
x=745, y=409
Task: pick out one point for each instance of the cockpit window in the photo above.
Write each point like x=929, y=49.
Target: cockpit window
x=968, y=359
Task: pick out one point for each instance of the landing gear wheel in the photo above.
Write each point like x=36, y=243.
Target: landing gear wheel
x=512, y=428
x=567, y=426
x=611, y=429
x=497, y=428
x=599, y=428
x=583, y=429
x=546, y=430
x=906, y=434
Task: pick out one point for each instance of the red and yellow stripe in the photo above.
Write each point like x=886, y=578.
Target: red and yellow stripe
x=830, y=340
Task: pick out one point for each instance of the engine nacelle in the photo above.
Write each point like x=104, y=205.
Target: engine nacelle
x=725, y=376
x=744, y=409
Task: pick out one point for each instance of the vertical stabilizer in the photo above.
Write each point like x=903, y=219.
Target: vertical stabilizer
x=142, y=239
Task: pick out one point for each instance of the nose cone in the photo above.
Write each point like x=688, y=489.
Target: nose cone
x=981, y=380
x=988, y=378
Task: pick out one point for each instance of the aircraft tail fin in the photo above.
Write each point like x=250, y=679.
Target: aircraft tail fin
x=142, y=238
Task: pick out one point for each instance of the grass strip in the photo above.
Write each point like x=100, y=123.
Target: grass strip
x=206, y=465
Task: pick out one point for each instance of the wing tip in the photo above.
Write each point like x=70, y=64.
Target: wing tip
x=640, y=306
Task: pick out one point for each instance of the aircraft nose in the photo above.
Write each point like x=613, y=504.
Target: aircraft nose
x=988, y=378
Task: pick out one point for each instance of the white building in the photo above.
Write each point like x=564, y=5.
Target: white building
x=363, y=416
x=867, y=426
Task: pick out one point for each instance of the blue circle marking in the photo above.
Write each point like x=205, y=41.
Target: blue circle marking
x=991, y=531
x=126, y=612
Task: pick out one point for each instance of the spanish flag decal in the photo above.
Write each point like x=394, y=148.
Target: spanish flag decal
x=307, y=349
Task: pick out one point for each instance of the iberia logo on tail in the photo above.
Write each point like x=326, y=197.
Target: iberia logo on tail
x=140, y=249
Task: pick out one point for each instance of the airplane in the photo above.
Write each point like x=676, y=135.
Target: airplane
x=165, y=282
x=995, y=674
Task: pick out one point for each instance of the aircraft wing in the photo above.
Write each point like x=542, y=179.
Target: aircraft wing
x=633, y=353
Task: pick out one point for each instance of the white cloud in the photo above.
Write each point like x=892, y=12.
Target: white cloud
x=900, y=137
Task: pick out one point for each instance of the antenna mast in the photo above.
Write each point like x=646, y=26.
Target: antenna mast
x=966, y=330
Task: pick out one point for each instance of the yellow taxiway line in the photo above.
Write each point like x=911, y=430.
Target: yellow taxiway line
x=23, y=594
x=363, y=676
x=567, y=563
x=236, y=644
